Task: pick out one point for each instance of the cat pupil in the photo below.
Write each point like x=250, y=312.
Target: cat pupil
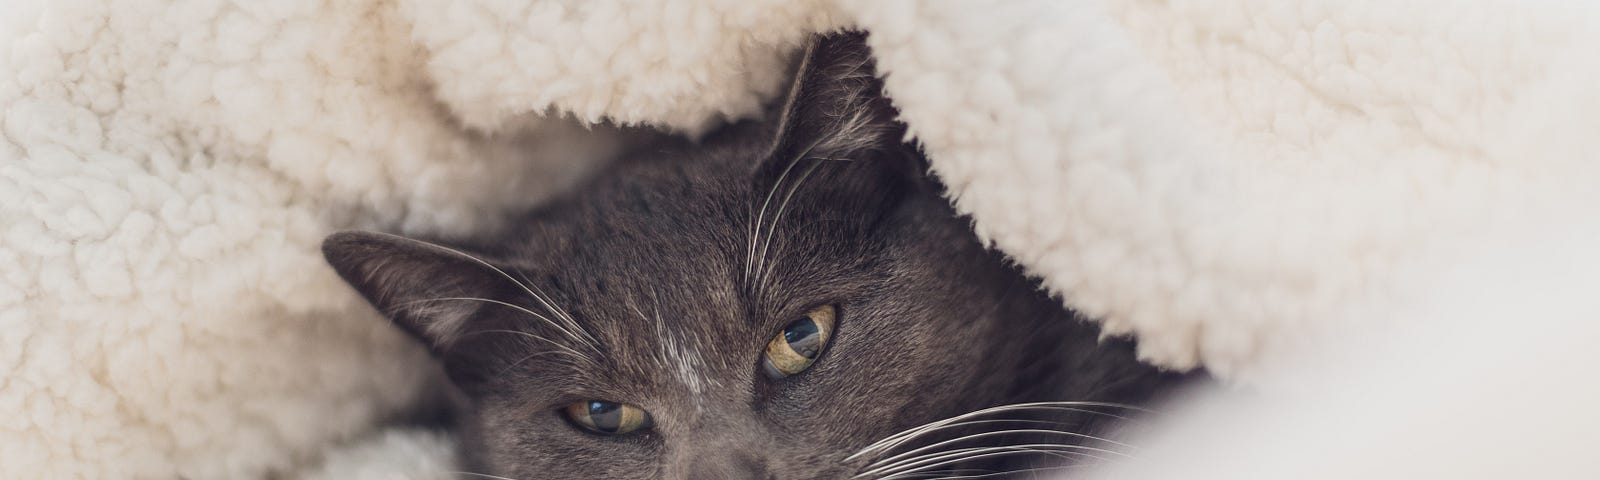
x=802, y=337
x=607, y=416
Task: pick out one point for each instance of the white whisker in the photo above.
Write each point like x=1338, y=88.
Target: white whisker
x=764, y=272
x=750, y=234
x=483, y=475
x=558, y=345
x=961, y=475
x=549, y=305
x=761, y=216
x=940, y=473
x=897, y=461
x=963, y=424
x=525, y=288
x=940, y=459
x=519, y=308
x=969, y=423
x=909, y=434
x=533, y=355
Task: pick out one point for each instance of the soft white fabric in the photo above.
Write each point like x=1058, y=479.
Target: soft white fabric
x=1487, y=375
x=167, y=170
x=393, y=454
x=1232, y=181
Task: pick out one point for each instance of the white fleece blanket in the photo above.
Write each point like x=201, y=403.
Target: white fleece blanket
x=1235, y=182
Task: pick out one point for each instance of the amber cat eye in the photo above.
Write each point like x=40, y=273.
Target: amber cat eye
x=799, y=344
x=607, y=418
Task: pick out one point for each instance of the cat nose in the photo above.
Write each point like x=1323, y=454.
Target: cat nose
x=726, y=465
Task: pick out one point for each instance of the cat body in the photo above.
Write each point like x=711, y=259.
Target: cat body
x=773, y=302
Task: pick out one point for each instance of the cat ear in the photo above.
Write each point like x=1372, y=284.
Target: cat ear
x=412, y=282
x=835, y=108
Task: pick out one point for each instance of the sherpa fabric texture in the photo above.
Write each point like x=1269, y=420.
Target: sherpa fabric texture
x=1224, y=179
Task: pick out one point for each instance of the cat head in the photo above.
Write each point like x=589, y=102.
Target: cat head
x=769, y=303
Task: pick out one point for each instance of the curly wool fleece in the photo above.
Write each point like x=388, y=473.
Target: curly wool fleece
x=1219, y=178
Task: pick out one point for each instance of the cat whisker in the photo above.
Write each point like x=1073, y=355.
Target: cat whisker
x=560, y=348
x=972, y=473
x=896, y=461
x=970, y=423
x=916, y=462
x=534, y=355
x=563, y=349
x=550, y=305
x=765, y=270
x=516, y=307
x=755, y=231
x=965, y=475
x=481, y=475
x=936, y=459
x=940, y=459
x=750, y=234
x=892, y=441
x=526, y=287
x=942, y=473
x=967, y=423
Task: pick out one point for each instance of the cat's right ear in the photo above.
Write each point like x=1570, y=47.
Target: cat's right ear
x=419, y=285
x=835, y=109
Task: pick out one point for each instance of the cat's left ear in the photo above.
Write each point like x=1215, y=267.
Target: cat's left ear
x=836, y=109
x=414, y=282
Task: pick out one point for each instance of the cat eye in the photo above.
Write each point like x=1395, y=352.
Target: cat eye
x=607, y=418
x=799, y=344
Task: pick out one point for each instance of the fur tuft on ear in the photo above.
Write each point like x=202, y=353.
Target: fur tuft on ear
x=835, y=108
x=429, y=290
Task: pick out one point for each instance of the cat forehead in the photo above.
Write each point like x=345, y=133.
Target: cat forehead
x=661, y=259
x=656, y=342
x=660, y=224
x=678, y=324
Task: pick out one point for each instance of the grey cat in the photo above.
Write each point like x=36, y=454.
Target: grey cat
x=781, y=300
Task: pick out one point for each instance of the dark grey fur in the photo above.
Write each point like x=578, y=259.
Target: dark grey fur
x=681, y=269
